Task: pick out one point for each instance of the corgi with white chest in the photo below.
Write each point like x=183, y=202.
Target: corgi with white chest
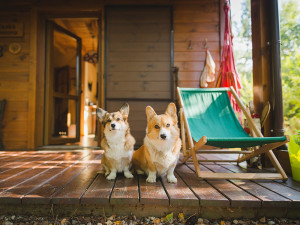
x=160, y=152
x=117, y=142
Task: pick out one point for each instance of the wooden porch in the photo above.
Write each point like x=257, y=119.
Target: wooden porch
x=68, y=183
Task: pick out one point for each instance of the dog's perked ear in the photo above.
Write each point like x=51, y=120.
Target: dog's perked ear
x=125, y=111
x=171, y=111
x=150, y=113
x=101, y=114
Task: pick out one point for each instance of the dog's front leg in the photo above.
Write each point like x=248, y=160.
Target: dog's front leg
x=127, y=173
x=170, y=175
x=112, y=175
x=151, y=176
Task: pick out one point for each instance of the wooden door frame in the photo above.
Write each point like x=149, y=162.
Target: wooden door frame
x=42, y=16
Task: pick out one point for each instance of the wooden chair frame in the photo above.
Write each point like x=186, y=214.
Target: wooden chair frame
x=190, y=149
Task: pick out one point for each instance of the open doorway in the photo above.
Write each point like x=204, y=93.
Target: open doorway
x=71, y=82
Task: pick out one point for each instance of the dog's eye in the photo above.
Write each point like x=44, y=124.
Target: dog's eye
x=108, y=121
x=118, y=119
x=168, y=125
x=157, y=127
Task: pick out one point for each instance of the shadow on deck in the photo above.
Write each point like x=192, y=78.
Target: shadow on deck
x=68, y=183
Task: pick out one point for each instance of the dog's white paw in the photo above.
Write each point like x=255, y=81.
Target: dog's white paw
x=128, y=174
x=172, y=179
x=151, y=179
x=111, y=176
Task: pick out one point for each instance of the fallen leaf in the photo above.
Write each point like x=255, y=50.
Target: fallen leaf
x=169, y=217
x=112, y=217
x=63, y=221
x=181, y=216
x=118, y=222
x=222, y=222
x=156, y=221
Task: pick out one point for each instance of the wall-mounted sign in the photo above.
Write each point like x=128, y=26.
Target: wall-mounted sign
x=11, y=29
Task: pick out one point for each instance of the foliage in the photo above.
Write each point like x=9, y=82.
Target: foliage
x=241, y=29
x=290, y=63
x=290, y=58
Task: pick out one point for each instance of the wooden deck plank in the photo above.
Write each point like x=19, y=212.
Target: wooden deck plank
x=152, y=193
x=179, y=193
x=126, y=191
x=44, y=193
x=99, y=192
x=21, y=162
x=289, y=191
x=237, y=196
x=291, y=184
x=268, y=198
x=207, y=194
x=15, y=195
x=73, y=191
x=10, y=155
x=10, y=180
x=283, y=191
x=22, y=167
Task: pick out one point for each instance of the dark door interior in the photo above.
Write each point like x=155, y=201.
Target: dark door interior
x=62, y=108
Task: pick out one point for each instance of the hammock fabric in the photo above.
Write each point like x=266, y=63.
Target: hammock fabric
x=228, y=75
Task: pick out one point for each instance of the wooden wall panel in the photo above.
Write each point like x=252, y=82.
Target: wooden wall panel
x=195, y=22
x=14, y=83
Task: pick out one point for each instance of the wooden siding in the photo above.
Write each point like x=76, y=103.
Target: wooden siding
x=193, y=22
x=15, y=83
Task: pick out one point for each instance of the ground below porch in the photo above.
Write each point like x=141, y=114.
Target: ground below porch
x=66, y=183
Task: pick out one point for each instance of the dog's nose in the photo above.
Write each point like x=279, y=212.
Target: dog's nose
x=163, y=136
x=113, y=125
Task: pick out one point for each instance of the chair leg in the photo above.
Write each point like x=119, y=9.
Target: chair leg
x=182, y=128
x=268, y=150
x=195, y=161
x=277, y=165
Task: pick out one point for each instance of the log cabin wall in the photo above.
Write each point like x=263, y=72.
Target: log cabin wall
x=194, y=21
x=16, y=81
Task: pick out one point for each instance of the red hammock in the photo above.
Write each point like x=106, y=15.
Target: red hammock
x=228, y=75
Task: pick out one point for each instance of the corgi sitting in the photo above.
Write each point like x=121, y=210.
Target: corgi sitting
x=160, y=152
x=117, y=142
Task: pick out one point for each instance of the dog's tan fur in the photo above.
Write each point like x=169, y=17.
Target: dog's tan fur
x=159, y=156
x=118, y=144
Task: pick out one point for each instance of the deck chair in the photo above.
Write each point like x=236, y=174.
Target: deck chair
x=207, y=119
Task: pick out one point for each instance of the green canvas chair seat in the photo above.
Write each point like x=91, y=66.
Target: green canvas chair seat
x=208, y=117
x=209, y=113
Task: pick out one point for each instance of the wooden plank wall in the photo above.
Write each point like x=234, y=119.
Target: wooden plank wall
x=15, y=83
x=194, y=21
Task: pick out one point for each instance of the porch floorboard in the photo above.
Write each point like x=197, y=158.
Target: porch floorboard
x=70, y=182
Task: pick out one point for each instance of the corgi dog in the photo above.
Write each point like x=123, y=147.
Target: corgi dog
x=117, y=142
x=160, y=152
